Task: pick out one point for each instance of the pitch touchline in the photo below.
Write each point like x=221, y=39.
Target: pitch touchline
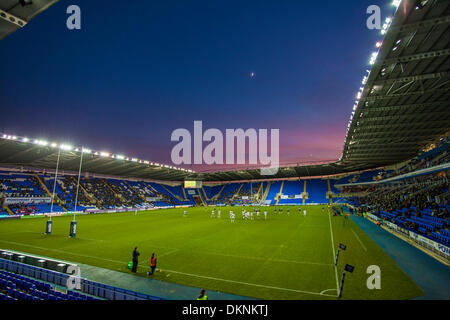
x=61, y=251
x=257, y=258
x=332, y=247
x=172, y=271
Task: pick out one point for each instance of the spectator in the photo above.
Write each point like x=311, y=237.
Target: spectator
x=135, y=259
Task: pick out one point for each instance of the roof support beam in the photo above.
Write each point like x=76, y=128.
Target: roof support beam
x=396, y=95
x=411, y=78
x=415, y=57
x=367, y=110
x=420, y=25
x=388, y=134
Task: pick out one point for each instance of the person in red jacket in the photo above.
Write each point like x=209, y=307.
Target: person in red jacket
x=152, y=264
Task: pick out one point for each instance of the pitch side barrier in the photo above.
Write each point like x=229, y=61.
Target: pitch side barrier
x=422, y=241
x=88, y=211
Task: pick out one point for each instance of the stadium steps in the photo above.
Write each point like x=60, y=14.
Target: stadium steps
x=201, y=198
x=48, y=191
x=106, y=183
x=259, y=191
x=237, y=192
x=304, y=192
x=184, y=193
x=91, y=197
x=329, y=191
x=5, y=206
x=280, y=193
x=173, y=195
x=134, y=190
x=42, y=184
x=266, y=192
x=206, y=196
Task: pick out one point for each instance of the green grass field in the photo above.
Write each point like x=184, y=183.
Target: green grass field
x=283, y=257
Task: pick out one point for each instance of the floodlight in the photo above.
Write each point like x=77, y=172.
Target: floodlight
x=41, y=142
x=421, y=4
x=120, y=157
x=396, y=3
x=65, y=147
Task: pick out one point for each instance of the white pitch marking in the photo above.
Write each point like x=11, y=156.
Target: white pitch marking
x=360, y=242
x=251, y=284
x=321, y=292
x=167, y=253
x=332, y=247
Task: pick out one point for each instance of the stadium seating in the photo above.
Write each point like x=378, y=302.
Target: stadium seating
x=317, y=190
x=19, y=281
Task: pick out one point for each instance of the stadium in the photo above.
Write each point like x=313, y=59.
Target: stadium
x=81, y=223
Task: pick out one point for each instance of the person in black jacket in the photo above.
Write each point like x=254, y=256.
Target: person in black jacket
x=135, y=259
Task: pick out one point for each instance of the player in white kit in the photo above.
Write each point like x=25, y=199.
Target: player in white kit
x=304, y=213
x=232, y=216
x=218, y=214
x=212, y=213
x=184, y=213
x=265, y=215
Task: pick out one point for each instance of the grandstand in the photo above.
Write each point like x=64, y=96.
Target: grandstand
x=389, y=188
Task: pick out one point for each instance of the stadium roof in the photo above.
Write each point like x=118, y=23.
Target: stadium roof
x=403, y=105
x=402, y=108
x=31, y=153
x=15, y=14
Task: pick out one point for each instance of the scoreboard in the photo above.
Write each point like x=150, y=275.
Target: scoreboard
x=192, y=184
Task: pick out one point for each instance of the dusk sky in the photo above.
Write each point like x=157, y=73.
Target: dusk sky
x=137, y=70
